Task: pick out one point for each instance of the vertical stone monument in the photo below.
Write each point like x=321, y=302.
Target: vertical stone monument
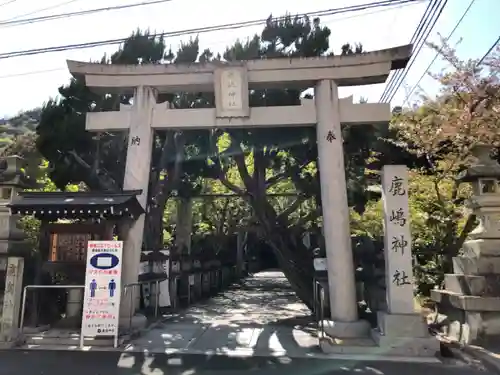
x=12, y=242
x=9, y=327
x=400, y=329
x=471, y=298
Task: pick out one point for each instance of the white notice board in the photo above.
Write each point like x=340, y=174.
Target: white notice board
x=101, y=303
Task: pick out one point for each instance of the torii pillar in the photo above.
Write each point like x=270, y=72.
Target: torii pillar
x=344, y=321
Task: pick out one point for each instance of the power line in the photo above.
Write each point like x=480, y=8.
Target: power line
x=230, y=26
x=51, y=17
x=7, y=3
x=429, y=28
x=225, y=41
x=408, y=96
x=31, y=73
x=430, y=11
x=40, y=10
x=405, y=73
x=394, y=75
x=424, y=39
x=489, y=51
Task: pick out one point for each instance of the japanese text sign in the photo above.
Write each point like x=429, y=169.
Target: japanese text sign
x=397, y=240
x=101, y=305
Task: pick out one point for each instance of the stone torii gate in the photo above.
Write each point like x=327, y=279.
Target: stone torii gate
x=231, y=83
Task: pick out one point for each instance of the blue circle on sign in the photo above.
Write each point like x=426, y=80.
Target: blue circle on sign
x=104, y=261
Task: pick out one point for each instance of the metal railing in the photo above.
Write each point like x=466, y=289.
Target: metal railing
x=125, y=290
x=319, y=306
x=130, y=286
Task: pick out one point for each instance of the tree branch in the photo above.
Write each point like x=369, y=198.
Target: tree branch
x=273, y=180
x=294, y=206
x=104, y=181
x=239, y=158
x=313, y=215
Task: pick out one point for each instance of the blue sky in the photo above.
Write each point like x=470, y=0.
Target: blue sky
x=22, y=88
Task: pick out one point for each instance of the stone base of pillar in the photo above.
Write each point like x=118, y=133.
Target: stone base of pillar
x=405, y=335
x=137, y=322
x=347, y=330
x=398, y=335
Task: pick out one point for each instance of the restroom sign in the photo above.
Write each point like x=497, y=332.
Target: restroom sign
x=101, y=304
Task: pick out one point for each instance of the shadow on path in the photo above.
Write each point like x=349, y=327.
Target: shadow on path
x=262, y=315
x=109, y=363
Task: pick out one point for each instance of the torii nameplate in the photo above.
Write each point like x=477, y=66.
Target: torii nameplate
x=231, y=92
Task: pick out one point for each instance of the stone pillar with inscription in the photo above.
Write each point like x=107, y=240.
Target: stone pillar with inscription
x=344, y=323
x=137, y=171
x=9, y=323
x=400, y=329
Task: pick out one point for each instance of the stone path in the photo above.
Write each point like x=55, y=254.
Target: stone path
x=263, y=316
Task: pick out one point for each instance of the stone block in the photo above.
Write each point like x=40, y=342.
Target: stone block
x=465, y=284
x=359, y=328
x=402, y=325
x=481, y=247
x=476, y=266
x=490, y=323
x=406, y=346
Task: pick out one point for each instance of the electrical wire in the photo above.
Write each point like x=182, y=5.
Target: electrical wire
x=408, y=67
x=409, y=95
x=229, y=26
x=52, y=17
x=7, y=3
x=40, y=10
x=342, y=18
x=394, y=75
x=488, y=52
x=415, y=40
x=429, y=27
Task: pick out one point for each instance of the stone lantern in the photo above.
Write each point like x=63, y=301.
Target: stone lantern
x=12, y=181
x=484, y=177
x=471, y=297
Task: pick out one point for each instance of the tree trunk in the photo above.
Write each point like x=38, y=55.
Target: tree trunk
x=296, y=264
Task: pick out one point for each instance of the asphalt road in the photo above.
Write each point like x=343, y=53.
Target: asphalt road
x=17, y=362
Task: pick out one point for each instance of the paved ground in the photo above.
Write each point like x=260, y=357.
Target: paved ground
x=109, y=363
x=262, y=316
x=262, y=320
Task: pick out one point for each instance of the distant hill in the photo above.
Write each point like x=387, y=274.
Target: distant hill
x=24, y=123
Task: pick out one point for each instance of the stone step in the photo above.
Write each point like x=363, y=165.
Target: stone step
x=468, y=285
x=65, y=339
x=360, y=346
x=406, y=346
x=380, y=345
x=467, y=303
